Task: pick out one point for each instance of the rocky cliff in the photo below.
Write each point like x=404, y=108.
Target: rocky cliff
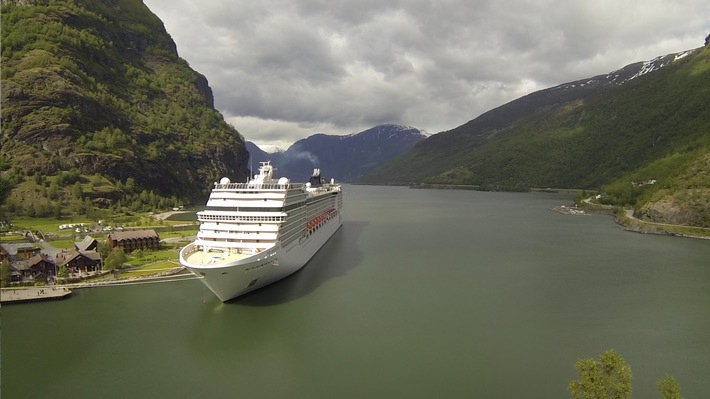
x=98, y=87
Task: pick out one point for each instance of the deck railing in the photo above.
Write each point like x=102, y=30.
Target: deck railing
x=270, y=186
x=256, y=186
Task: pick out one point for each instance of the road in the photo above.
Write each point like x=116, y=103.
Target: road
x=630, y=215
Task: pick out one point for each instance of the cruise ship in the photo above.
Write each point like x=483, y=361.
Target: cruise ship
x=255, y=233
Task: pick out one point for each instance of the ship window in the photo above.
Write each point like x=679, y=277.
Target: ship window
x=251, y=284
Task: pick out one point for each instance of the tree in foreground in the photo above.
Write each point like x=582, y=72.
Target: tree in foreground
x=669, y=388
x=606, y=378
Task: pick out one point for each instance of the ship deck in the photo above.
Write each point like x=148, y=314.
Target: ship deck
x=202, y=258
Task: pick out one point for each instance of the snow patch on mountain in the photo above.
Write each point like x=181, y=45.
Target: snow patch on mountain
x=683, y=55
x=629, y=72
x=650, y=66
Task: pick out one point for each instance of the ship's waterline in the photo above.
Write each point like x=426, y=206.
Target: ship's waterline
x=253, y=234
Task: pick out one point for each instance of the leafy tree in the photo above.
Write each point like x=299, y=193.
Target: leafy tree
x=77, y=190
x=4, y=274
x=63, y=272
x=53, y=191
x=130, y=184
x=30, y=210
x=103, y=249
x=5, y=188
x=138, y=253
x=669, y=389
x=88, y=208
x=606, y=378
x=115, y=259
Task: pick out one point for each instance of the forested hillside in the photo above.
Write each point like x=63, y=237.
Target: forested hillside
x=97, y=103
x=655, y=127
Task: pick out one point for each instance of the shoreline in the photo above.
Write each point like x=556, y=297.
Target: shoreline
x=629, y=223
x=9, y=296
x=570, y=210
x=18, y=295
x=641, y=227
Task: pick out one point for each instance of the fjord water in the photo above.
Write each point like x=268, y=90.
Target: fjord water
x=420, y=294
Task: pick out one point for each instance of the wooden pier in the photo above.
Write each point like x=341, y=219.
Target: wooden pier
x=32, y=294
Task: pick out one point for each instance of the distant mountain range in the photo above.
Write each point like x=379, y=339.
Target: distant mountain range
x=344, y=158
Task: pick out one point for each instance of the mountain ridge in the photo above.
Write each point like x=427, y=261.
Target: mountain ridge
x=343, y=157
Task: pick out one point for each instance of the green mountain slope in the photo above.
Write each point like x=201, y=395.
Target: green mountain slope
x=97, y=88
x=652, y=127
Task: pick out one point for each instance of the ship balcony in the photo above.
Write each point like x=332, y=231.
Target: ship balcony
x=237, y=216
x=250, y=187
x=237, y=246
x=227, y=236
x=246, y=204
x=245, y=227
x=246, y=196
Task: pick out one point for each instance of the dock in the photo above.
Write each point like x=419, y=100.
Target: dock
x=33, y=294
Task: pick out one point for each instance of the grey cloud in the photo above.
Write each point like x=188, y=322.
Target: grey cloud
x=348, y=65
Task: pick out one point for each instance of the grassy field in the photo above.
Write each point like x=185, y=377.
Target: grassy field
x=145, y=270
x=51, y=225
x=187, y=216
x=63, y=244
x=47, y=225
x=178, y=234
x=150, y=269
x=12, y=238
x=149, y=257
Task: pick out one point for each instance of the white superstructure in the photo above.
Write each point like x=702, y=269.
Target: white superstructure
x=253, y=234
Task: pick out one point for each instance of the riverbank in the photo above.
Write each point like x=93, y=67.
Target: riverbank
x=626, y=219
x=629, y=222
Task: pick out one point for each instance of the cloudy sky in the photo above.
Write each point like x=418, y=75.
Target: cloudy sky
x=284, y=70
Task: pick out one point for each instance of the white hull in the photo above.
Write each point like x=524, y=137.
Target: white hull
x=229, y=281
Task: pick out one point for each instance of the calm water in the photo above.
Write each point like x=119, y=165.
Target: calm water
x=421, y=294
